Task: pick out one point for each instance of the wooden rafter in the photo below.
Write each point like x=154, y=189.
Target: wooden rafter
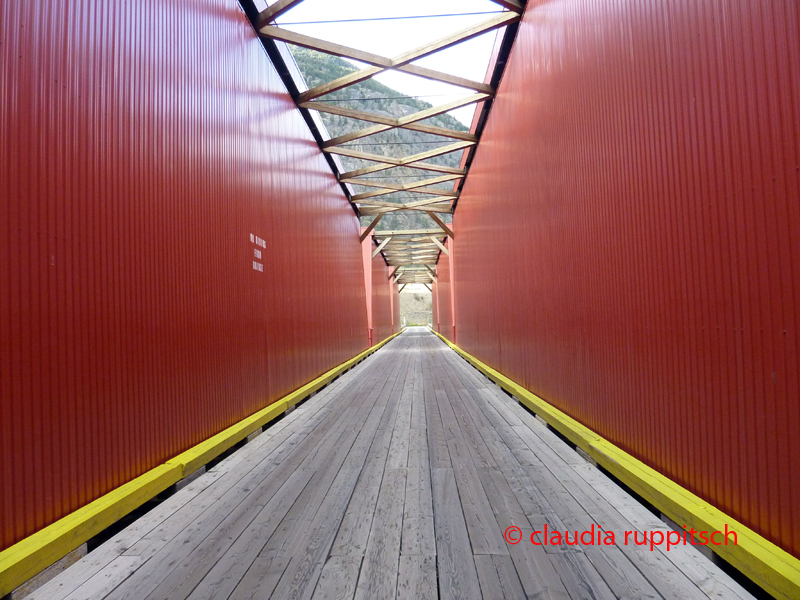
x=276, y=10
x=381, y=246
x=426, y=256
x=429, y=191
x=382, y=166
x=411, y=253
x=404, y=232
x=398, y=186
x=373, y=118
x=442, y=247
x=433, y=273
x=368, y=211
x=379, y=63
x=413, y=161
x=370, y=227
x=407, y=120
x=512, y=5
x=404, y=59
x=418, y=187
x=441, y=224
x=416, y=204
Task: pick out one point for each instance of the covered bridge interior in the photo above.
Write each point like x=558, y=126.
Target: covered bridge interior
x=206, y=389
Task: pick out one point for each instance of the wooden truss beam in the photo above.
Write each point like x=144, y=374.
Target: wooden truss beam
x=407, y=120
x=368, y=211
x=442, y=247
x=382, y=166
x=512, y=5
x=403, y=264
x=429, y=191
x=379, y=63
x=397, y=62
x=373, y=118
x=381, y=247
x=403, y=232
x=371, y=226
x=276, y=10
x=418, y=187
x=423, y=205
x=414, y=161
x=433, y=273
x=441, y=224
x=400, y=187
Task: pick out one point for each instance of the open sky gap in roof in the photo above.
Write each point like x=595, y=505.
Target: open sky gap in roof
x=440, y=51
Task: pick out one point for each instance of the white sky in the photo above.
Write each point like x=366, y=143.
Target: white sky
x=389, y=38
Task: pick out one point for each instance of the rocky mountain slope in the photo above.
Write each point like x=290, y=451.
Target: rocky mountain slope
x=374, y=97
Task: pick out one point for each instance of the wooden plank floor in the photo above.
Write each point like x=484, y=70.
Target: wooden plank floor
x=396, y=481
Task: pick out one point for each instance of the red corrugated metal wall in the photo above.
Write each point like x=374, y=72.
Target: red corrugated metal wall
x=629, y=238
x=397, y=323
x=367, y=247
x=141, y=144
x=444, y=293
x=435, y=306
x=383, y=303
x=382, y=312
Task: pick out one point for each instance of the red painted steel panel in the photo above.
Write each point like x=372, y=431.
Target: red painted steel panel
x=444, y=293
x=381, y=294
x=629, y=238
x=435, y=306
x=382, y=312
x=397, y=323
x=367, y=248
x=141, y=144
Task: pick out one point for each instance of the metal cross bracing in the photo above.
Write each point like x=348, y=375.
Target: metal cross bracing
x=413, y=254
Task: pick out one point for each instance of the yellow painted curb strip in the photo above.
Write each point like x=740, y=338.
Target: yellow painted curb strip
x=770, y=567
x=26, y=558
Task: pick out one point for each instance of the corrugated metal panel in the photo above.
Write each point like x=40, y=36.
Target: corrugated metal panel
x=367, y=248
x=382, y=311
x=629, y=238
x=397, y=323
x=435, y=306
x=137, y=156
x=444, y=293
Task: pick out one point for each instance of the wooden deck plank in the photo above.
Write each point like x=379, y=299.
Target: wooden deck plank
x=417, y=578
x=303, y=572
x=534, y=568
x=291, y=536
x=656, y=569
x=378, y=577
x=485, y=535
x=177, y=574
x=498, y=577
x=418, y=530
x=396, y=480
x=437, y=441
x=455, y=565
x=338, y=579
x=117, y=571
x=353, y=534
x=261, y=578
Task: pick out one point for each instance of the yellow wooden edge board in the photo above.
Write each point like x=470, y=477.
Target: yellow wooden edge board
x=29, y=556
x=26, y=558
x=769, y=566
